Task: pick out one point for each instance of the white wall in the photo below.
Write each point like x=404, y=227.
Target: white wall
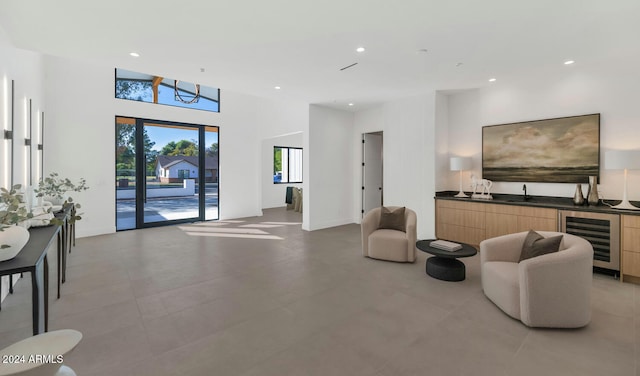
x=409, y=163
x=281, y=123
x=328, y=168
x=80, y=133
x=463, y=136
x=25, y=68
x=173, y=170
x=612, y=92
x=273, y=195
x=442, y=145
x=409, y=130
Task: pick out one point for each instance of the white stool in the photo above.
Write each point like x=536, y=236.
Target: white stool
x=40, y=355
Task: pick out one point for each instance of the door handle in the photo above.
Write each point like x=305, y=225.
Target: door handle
x=144, y=181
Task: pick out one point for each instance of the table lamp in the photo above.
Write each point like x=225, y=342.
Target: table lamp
x=460, y=164
x=623, y=160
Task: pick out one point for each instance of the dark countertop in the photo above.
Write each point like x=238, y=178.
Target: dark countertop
x=563, y=203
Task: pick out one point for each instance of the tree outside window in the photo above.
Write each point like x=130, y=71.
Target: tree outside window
x=287, y=165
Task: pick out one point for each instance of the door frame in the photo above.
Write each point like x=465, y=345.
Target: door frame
x=141, y=182
x=363, y=175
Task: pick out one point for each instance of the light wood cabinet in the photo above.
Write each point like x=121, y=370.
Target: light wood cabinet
x=472, y=222
x=630, y=248
x=507, y=219
x=460, y=221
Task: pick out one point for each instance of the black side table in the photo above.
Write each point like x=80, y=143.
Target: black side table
x=444, y=265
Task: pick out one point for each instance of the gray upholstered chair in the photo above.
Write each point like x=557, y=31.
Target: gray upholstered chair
x=552, y=290
x=387, y=244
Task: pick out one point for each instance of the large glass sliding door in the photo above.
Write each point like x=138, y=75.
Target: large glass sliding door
x=170, y=174
x=166, y=173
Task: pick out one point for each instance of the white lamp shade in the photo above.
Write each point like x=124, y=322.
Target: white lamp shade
x=460, y=163
x=622, y=159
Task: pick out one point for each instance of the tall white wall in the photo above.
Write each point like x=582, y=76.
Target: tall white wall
x=281, y=123
x=463, y=137
x=441, y=148
x=80, y=131
x=612, y=92
x=80, y=137
x=327, y=199
x=409, y=164
x=25, y=69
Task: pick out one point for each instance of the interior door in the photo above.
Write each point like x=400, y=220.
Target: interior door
x=372, y=192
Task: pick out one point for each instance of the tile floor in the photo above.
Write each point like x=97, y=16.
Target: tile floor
x=259, y=296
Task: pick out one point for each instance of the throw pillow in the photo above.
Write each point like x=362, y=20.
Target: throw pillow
x=537, y=245
x=392, y=219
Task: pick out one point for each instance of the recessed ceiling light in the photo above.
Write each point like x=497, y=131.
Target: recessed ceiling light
x=492, y=80
x=350, y=104
x=277, y=87
x=360, y=49
x=134, y=54
x=569, y=62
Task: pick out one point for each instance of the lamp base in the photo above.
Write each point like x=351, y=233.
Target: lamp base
x=625, y=204
x=461, y=194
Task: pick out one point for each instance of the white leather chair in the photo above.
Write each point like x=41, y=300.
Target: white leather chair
x=387, y=244
x=51, y=347
x=552, y=290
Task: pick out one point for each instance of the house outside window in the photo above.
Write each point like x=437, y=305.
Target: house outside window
x=287, y=165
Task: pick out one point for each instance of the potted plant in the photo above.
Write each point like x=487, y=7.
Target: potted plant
x=55, y=189
x=13, y=211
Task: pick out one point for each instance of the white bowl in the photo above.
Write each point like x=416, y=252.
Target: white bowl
x=15, y=237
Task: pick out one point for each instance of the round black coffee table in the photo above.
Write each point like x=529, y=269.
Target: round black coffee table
x=444, y=265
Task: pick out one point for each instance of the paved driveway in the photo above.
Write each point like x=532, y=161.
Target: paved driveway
x=164, y=209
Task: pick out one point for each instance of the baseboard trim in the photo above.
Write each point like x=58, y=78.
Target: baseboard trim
x=329, y=224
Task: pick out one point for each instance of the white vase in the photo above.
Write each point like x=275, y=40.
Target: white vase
x=15, y=237
x=55, y=200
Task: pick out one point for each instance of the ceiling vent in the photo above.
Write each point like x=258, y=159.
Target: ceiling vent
x=348, y=66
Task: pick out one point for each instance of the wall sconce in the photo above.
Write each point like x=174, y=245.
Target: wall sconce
x=623, y=160
x=460, y=164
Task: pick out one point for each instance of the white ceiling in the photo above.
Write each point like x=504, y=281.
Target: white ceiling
x=251, y=46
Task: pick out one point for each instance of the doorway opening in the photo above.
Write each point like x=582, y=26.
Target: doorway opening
x=372, y=171
x=166, y=173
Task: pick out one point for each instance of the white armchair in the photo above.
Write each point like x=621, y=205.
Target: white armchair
x=51, y=347
x=552, y=290
x=388, y=244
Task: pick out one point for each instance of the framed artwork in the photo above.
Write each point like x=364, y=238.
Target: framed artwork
x=561, y=150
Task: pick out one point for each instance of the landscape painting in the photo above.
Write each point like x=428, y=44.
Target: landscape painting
x=562, y=150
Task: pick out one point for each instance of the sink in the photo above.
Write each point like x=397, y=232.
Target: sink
x=521, y=199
